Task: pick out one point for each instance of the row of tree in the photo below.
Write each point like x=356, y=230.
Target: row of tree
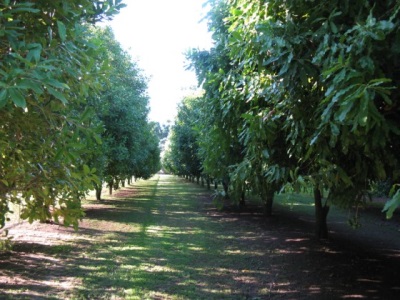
x=130, y=144
x=297, y=93
x=73, y=108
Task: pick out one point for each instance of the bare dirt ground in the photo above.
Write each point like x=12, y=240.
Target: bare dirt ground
x=361, y=263
x=352, y=264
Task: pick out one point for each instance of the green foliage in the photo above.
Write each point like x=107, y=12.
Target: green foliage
x=129, y=144
x=381, y=188
x=394, y=202
x=182, y=155
x=5, y=245
x=302, y=90
x=46, y=73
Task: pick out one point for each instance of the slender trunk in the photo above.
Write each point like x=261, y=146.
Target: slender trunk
x=129, y=180
x=268, y=202
x=226, y=187
x=242, y=201
x=198, y=179
x=208, y=183
x=98, y=192
x=215, y=184
x=321, y=213
x=110, y=187
x=98, y=188
x=123, y=183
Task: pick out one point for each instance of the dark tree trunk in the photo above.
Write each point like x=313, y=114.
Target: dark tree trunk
x=242, y=201
x=268, y=202
x=123, y=183
x=129, y=181
x=98, y=192
x=321, y=213
x=225, y=185
x=98, y=188
x=208, y=183
x=110, y=187
x=215, y=184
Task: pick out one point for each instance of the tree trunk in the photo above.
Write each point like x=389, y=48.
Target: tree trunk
x=110, y=187
x=129, y=180
x=321, y=213
x=215, y=184
x=242, y=201
x=123, y=183
x=208, y=184
x=98, y=191
x=226, y=187
x=268, y=199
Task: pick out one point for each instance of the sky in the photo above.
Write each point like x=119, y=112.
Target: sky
x=157, y=33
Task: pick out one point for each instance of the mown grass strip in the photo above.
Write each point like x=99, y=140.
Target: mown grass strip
x=173, y=250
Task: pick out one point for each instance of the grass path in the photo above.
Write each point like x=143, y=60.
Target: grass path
x=161, y=239
x=162, y=245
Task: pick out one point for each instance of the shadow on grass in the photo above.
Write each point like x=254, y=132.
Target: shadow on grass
x=164, y=240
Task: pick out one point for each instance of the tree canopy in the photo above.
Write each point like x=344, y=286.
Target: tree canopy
x=302, y=93
x=51, y=72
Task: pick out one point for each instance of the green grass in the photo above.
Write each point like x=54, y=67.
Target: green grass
x=161, y=247
x=160, y=239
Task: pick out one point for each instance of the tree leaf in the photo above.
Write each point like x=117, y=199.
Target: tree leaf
x=392, y=204
x=62, y=31
x=35, y=50
x=333, y=27
x=86, y=170
x=57, y=84
x=30, y=84
x=57, y=94
x=3, y=98
x=17, y=97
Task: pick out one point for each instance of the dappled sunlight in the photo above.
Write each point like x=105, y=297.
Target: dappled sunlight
x=162, y=246
x=127, y=248
x=193, y=248
x=36, y=230
x=297, y=240
x=354, y=296
x=245, y=252
x=328, y=250
x=314, y=290
x=157, y=268
x=286, y=251
x=368, y=280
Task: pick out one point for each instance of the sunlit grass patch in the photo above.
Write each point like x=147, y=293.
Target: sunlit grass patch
x=295, y=199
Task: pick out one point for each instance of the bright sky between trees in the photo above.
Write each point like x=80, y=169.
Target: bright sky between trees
x=157, y=33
